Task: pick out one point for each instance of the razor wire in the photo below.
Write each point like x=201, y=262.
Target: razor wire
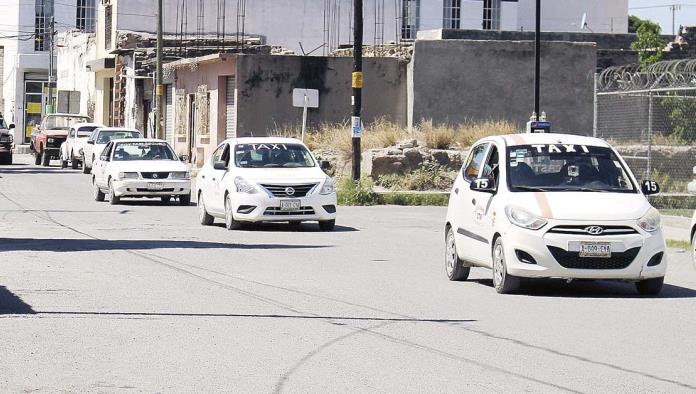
x=661, y=75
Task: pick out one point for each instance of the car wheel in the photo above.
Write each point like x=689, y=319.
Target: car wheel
x=693, y=249
x=650, y=287
x=98, y=194
x=456, y=271
x=166, y=199
x=230, y=223
x=37, y=158
x=45, y=159
x=85, y=169
x=73, y=163
x=503, y=282
x=113, y=199
x=8, y=159
x=205, y=218
x=185, y=200
x=63, y=162
x=327, y=225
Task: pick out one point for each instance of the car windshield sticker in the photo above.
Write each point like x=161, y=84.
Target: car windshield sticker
x=573, y=171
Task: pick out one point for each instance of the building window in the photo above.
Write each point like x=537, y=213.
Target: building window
x=453, y=14
x=491, y=14
x=86, y=15
x=410, y=13
x=108, y=31
x=42, y=20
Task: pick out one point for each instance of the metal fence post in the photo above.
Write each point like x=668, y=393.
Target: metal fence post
x=650, y=132
x=596, y=106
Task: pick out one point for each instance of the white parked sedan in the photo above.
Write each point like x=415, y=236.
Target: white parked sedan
x=140, y=168
x=98, y=140
x=553, y=206
x=265, y=180
x=693, y=239
x=72, y=149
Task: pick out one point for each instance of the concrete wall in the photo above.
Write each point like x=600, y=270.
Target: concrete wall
x=458, y=80
x=73, y=52
x=265, y=85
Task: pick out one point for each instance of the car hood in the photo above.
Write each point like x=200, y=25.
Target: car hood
x=150, y=166
x=282, y=175
x=56, y=133
x=583, y=205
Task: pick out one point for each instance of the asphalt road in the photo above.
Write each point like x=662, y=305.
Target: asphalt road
x=140, y=298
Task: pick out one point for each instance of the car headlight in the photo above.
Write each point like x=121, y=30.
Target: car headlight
x=128, y=175
x=181, y=175
x=243, y=186
x=51, y=140
x=523, y=218
x=651, y=221
x=329, y=187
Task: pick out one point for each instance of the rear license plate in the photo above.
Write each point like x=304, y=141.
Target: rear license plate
x=155, y=186
x=595, y=249
x=290, y=205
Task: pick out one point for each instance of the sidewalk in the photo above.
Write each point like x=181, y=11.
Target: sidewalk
x=676, y=227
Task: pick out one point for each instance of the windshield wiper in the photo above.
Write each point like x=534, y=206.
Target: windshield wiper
x=532, y=188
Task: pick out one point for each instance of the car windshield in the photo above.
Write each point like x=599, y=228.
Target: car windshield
x=272, y=155
x=558, y=168
x=63, y=122
x=127, y=151
x=106, y=136
x=85, y=131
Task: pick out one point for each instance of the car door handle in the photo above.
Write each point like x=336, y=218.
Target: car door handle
x=473, y=201
x=456, y=191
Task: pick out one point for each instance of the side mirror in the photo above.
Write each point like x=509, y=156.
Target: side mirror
x=220, y=165
x=90, y=142
x=484, y=185
x=11, y=126
x=649, y=187
x=184, y=158
x=325, y=165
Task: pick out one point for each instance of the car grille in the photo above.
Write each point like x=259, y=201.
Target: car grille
x=151, y=175
x=276, y=211
x=582, y=230
x=573, y=260
x=279, y=190
x=144, y=189
x=57, y=141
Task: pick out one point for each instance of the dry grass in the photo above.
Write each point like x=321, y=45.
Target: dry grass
x=436, y=137
x=470, y=132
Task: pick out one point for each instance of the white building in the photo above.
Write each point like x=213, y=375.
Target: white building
x=25, y=36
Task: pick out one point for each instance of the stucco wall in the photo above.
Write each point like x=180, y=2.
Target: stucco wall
x=458, y=80
x=265, y=85
x=73, y=52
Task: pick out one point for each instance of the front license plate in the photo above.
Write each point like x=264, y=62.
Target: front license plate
x=155, y=186
x=290, y=205
x=595, y=249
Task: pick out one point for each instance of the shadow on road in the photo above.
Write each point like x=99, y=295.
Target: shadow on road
x=590, y=289
x=36, y=170
x=287, y=228
x=86, y=245
x=10, y=304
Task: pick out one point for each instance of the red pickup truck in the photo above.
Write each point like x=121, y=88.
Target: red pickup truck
x=50, y=134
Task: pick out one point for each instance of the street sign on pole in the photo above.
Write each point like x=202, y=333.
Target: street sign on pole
x=305, y=99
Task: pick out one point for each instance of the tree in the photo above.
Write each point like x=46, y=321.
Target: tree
x=649, y=44
x=634, y=23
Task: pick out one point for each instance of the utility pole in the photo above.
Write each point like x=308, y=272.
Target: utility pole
x=51, y=66
x=674, y=8
x=357, y=83
x=537, y=59
x=159, y=90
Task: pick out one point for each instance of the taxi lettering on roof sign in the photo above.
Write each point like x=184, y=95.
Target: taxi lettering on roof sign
x=553, y=206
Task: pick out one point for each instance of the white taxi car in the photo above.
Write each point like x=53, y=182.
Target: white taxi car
x=72, y=149
x=98, y=140
x=140, y=168
x=265, y=180
x=553, y=206
x=693, y=239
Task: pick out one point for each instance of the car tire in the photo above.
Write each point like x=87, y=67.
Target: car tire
x=454, y=266
x=693, y=249
x=230, y=222
x=37, y=158
x=327, y=225
x=503, y=282
x=204, y=217
x=8, y=159
x=650, y=287
x=113, y=199
x=185, y=200
x=63, y=162
x=73, y=163
x=166, y=199
x=45, y=159
x=85, y=169
x=98, y=194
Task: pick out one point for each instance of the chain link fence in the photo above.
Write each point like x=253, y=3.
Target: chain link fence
x=651, y=120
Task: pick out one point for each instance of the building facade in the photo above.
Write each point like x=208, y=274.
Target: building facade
x=26, y=39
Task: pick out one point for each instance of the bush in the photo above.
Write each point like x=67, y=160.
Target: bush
x=428, y=177
x=470, y=132
x=415, y=199
x=436, y=137
x=351, y=192
x=667, y=183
